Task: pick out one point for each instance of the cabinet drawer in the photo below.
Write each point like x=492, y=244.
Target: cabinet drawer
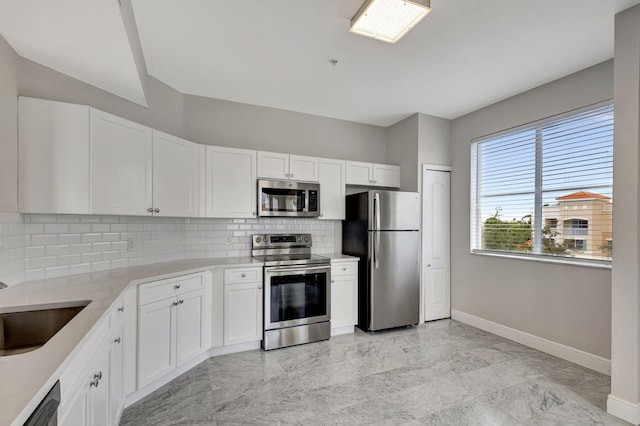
x=159, y=290
x=242, y=275
x=344, y=268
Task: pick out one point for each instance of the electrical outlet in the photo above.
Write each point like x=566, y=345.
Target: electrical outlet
x=130, y=244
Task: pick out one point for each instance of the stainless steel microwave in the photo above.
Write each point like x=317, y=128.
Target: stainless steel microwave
x=288, y=198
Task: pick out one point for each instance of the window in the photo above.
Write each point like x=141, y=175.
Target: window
x=545, y=189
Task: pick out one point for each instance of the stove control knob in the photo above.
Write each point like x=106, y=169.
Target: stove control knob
x=258, y=239
x=306, y=239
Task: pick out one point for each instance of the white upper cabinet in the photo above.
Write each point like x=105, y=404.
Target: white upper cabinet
x=273, y=165
x=371, y=174
x=53, y=157
x=303, y=168
x=176, y=186
x=332, y=188
x=231, y=182
x=120, y=165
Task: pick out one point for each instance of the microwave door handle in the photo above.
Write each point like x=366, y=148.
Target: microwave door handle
x=304, y=200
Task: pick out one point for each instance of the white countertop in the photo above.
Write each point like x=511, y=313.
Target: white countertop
x=26, y=378
x=337, y=257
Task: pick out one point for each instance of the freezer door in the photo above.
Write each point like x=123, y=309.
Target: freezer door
x=394, y=279
x=393, y=210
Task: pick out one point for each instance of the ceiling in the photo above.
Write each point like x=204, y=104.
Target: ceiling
x=86, y=40
x=466, y=54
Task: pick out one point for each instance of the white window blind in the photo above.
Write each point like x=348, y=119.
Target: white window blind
x=545, y=189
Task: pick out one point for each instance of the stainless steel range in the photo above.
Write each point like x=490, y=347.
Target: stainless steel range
x=297, y=286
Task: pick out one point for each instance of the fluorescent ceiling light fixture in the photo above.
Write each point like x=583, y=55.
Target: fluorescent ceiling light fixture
x=388, y=20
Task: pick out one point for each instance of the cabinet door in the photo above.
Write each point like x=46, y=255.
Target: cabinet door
x=120, y=165
x=332, y=189
x=386, y=175
x=98, y=397
x=193, y=329
x=231, y=182
x=303, y=168
x=156, y=340
x=175, y=176
x=273, y=165
x=217, y=308
x=116, y=363
x=359, y=173
x=343, y=301
x=77, y=414
x=242, y=313
x=53, y=157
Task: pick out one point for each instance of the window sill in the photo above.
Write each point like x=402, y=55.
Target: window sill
x=596, y=264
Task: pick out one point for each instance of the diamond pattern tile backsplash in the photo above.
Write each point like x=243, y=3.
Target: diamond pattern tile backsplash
x=46, y=246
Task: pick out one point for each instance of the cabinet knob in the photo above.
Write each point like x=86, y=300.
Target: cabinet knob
x=321, y=214
x=121, y=309
x=177, y=286
x=290, y=174
x=94, y=383
x=116, y=340
x=259, y=287
x=150, y=209
x=98, y=376
x=286, y=174
x=254, y=213
x=333, y=281
x=375, y=181
x=157, y=210
x=180, y=302
x=175, y=303
x=244, y=275
x=344, y=269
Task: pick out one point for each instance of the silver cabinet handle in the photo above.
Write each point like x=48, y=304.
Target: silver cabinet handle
x=291, y=175
x=344, y=269
x=259, y=287
x=116, y=340
x=98, y=375
x=176, y=287
x=244, y=275
x=94, y=383
x=175, y=303
x=286, y=174
x=157, y=210
x=333, y=281
x=121, y=309
x=150, y=209
x=180, y=302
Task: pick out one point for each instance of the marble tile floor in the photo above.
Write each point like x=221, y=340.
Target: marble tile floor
x=438, y=373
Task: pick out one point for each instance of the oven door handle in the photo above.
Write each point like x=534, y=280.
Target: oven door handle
x=299, y=271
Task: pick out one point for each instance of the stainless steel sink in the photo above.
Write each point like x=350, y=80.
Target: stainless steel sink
x=26, y=328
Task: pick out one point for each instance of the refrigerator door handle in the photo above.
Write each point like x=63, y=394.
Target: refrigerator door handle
x=376, y=248
x=376, y=210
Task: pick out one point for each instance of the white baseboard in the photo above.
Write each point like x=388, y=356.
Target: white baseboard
x=141, y=393
x=627, y=411
x=232, y=349
x=349, y=329
x=577, y=356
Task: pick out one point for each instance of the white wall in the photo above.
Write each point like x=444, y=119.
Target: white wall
x=566, y=304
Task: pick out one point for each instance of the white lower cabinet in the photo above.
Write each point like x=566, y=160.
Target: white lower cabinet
x=242, y=305
x=90, y=405
x=174, y=329
x=344, y=295
x=116, y=374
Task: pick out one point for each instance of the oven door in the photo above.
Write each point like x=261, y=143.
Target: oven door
x=296, y=295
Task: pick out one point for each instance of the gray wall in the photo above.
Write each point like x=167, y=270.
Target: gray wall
x=8, y=129
x=416, y=140
x=402, y=150
x=217, y=122
x=165, y=104
x=566, y=304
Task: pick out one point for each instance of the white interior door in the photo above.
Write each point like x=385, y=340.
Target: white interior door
x=436, y=242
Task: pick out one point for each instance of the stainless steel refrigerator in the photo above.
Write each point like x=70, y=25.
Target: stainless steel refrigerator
x=382, y=228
